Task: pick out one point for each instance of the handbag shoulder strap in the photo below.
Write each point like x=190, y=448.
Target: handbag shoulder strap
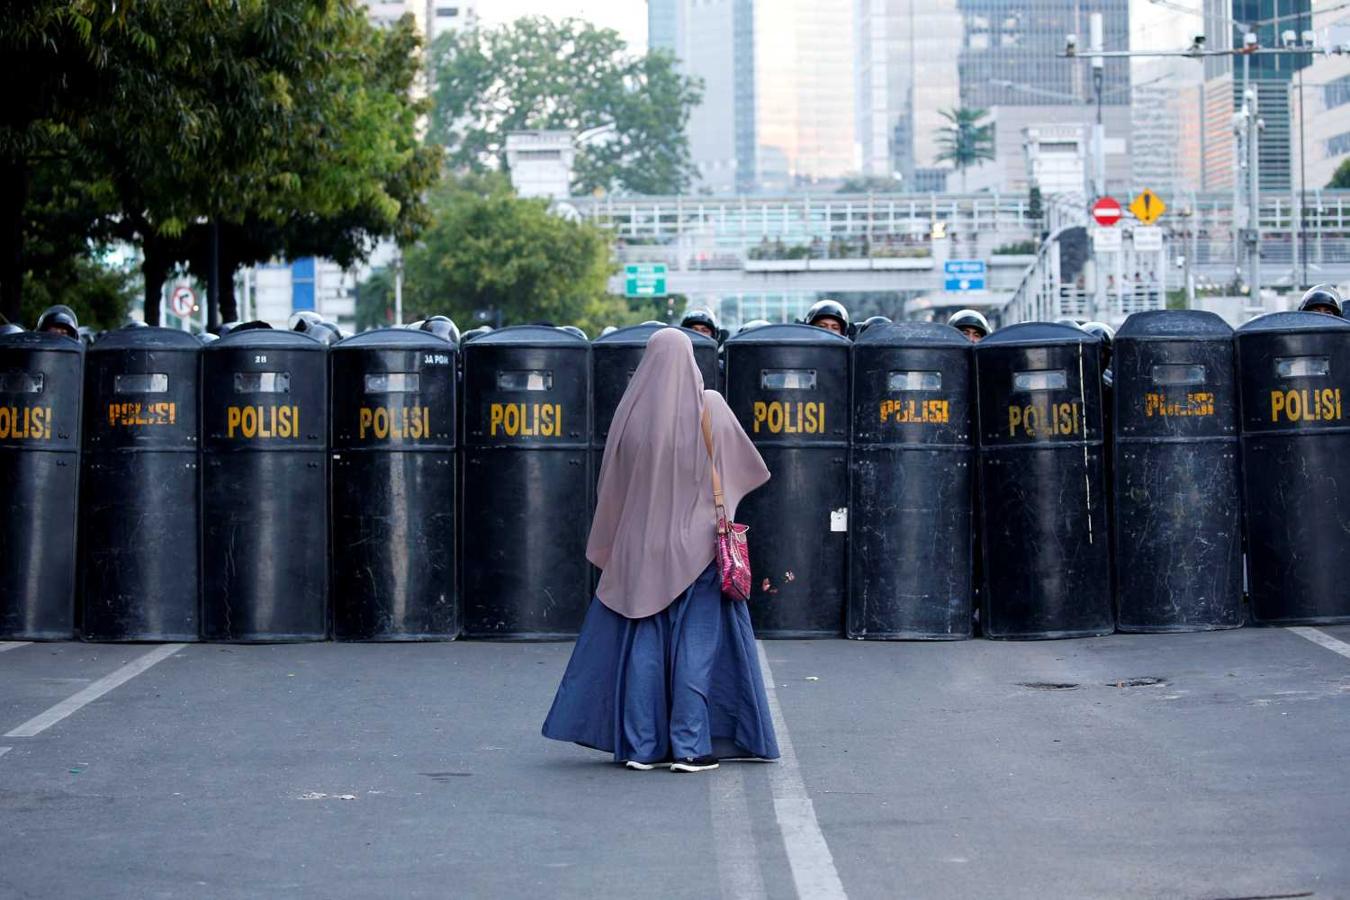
x=718, y=498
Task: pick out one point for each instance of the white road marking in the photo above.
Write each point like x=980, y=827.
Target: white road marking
x=4, y=750
x=733, y=838
x=1322, y=639
x=43, y=721
x=813, y=870
x=13, y=645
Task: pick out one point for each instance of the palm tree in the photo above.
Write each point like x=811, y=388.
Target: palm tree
x=965, y=142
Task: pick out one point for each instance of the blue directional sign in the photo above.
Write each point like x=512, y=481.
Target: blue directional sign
x=956, y=285
x=964, y=267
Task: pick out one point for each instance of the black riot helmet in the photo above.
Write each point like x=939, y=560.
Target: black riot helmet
x=699, y=320
x=304, y=320
x=1322, y=298
x=442, y=326
x=325, y=333
x=207, y=337
x=752, y=324
x=1105, y=332
x=572, y=329
x=10, y=328
x=971, y=319
x=872, y=320
x=828, y=309
x=59, y=319
x=255, y=325
x=474, y=333
x=225, y=328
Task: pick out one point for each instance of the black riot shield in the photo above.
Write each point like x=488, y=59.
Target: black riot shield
x=139, y=510
x=788, y=386
x=615, y=357
x=40, y=384
x=393, y=487
x=1047, y=561
x=1294, y=375
x=1178, y=509
x=264, y=487
x=526, y=483
x=910, y=504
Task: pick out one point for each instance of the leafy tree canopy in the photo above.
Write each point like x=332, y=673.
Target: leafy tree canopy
x=1341, y=177
x=488, y=251
x=536, y=73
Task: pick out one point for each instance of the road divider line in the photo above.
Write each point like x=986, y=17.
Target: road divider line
x=1322, y=639
x=4, y=750
x=43, y=721
x=813, y=871
x=733, y=837
x=13, y=645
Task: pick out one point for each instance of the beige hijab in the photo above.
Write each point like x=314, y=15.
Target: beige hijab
x=655, y=529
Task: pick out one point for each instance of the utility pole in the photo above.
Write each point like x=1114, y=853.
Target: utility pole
x=1254, y=126
x=398, y=288
x=1095, y=41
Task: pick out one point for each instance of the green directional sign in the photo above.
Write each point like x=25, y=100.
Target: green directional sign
x=644, y=280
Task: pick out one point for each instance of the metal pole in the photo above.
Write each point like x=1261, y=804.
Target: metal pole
x=1095, y=33
x=398, y=289
x=1254, y=191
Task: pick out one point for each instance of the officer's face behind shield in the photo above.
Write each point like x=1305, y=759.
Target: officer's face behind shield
x=1323, y=308
x=829, y=323
x=973, y=334
x=702, y=329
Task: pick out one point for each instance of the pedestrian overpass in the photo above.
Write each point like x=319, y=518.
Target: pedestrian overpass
x=769, y=256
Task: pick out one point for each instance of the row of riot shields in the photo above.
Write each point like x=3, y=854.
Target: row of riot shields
x=393, y=488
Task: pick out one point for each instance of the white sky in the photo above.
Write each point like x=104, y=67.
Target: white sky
x=628, y=17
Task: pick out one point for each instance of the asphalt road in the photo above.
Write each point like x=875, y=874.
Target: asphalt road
x=1196, y=766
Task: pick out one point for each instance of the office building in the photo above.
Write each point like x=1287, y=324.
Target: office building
x=777, y=111
x=1321, y=119
x=1271, y=75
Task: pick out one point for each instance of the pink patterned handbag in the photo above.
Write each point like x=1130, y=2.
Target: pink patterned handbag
x=733, y=553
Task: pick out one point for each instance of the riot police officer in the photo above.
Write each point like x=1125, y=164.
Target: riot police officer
x=442, y=326
x=1322, y=298
x=473, y=333
x=702, y=321
x=59, y=319
x=971, y=323
x=870, y=321
x=10, y=328
x=574, y=330
x=1107, y=335
x=830, y=315
x=753, y=323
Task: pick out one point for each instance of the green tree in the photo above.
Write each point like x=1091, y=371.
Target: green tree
x=488, y=250
x=100, y=293
x=870, y=184
x=536, y=73
x=965, y=141
x=1341, y=177
x=221, y=133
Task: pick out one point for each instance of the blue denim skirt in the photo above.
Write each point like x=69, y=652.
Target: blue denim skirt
x=685, y=682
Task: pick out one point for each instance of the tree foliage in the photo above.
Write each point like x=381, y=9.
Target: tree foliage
x=492, y=253
x=536, y=73
x=220, y=132
x=965, y=140
x=1341, y=177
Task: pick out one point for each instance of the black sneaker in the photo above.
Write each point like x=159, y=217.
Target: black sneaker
x=690, y=764
x=645, y=767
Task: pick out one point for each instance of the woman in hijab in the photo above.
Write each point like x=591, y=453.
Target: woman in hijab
x=665, y=670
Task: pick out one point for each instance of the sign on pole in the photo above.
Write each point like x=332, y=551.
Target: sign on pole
x=182, y=301
x=1106, y=212
x=644, y=280
x=1148, y=207
x=964, y=275
x=1106, y=240
x=1147, y=239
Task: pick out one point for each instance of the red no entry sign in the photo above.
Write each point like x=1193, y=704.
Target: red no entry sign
x=1106, y=211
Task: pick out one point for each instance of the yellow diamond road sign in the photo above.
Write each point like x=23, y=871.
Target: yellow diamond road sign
x=1148, y=207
